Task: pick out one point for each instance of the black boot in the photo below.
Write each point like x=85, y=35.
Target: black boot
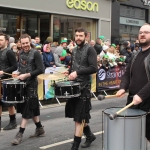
x=90, y=137
x=76, y=143
x=12, y=125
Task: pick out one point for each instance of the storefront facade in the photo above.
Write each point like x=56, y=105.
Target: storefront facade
x=127, y=18
x=57, y=19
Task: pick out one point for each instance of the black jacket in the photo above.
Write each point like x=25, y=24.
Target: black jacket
x=98, y=48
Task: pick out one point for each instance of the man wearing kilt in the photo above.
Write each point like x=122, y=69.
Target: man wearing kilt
x=30, y=66
x=83, y=64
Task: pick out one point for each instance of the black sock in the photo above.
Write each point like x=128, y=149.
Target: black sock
x=86, y=129
x=77, y=139
x=12, y=117
x=21, y=130
x=38, y=124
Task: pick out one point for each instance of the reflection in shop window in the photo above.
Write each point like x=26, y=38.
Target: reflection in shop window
x=64, y=26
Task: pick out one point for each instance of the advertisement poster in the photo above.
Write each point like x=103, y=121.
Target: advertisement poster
x=109, y=79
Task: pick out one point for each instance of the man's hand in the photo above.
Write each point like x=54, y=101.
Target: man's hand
x=73, y=75
x=66, y=73
x=120, y=93
x=24, y=76
x=136, y=100
x=1, y=72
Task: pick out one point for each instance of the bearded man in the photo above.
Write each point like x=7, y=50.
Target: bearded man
x=83, y=64
x=137, y=77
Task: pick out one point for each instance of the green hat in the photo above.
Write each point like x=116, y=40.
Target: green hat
x=114, y=45
x=63, y=41
x=105, y=56
x=102, y=37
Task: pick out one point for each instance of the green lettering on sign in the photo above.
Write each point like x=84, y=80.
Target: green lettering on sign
x=82, y=5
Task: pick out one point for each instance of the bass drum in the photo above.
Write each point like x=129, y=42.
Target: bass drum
x=126, y=131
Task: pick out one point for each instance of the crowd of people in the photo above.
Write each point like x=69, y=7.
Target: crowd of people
x=57, y=55
x=112, y=55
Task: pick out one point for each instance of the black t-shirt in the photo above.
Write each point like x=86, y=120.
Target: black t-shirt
x=139, y=81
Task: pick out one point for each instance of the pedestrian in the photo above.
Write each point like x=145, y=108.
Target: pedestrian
x=48, y=57
x=30, y=66
x=137, y=76
x=8, y=65
x=80, y=71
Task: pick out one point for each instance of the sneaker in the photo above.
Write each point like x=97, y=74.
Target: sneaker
x=11, y=125
x=38, y=132
x=18, y=139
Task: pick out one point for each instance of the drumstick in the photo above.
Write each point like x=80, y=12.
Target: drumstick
x=9, y=79
x=59, y=72
x=113, y=116
x=101, y=97
x=7, y=73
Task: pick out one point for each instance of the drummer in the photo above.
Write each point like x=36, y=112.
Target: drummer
x=8, y=64
x=30, y=66
x=137, y=77
x=80, y=71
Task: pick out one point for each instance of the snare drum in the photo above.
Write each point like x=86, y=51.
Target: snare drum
x=126, y=132
x=13, y=91
x=67, y=89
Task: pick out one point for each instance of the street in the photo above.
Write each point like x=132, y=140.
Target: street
x=59, y=130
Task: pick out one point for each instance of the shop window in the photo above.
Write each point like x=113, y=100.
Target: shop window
x=64, y=27
x=10, y=24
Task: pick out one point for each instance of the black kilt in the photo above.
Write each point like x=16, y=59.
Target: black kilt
x=79, y=107
x=30, y=108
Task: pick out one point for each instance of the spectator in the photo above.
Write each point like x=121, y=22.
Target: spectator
x=124, y=50
x=107, y=43
x=98, y=46
x=136, y=48
x=104, y=51
x=37, y=41
x=13, y=47
x=57, y=60
x=128, y=54
x=18, y=45
x=11, y=40
x=48, y=57
x=92, y=43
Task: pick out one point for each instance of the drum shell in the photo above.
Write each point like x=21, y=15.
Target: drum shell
x=69, y=90
x=13, y=92
x=124, y=133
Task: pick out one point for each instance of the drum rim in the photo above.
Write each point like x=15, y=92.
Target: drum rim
x=74, y=83
x=125, y=116
x=13, y=102
x=68, y=96
x=4, y=82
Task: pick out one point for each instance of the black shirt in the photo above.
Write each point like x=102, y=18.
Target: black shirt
x=92, y=61
x=12, y=60
x=138, y=83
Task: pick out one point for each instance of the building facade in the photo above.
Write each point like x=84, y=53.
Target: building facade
x=127, y=18
x=57, y=18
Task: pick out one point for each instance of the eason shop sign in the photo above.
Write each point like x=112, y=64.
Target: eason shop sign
x=82, y=5
x=146, y=2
